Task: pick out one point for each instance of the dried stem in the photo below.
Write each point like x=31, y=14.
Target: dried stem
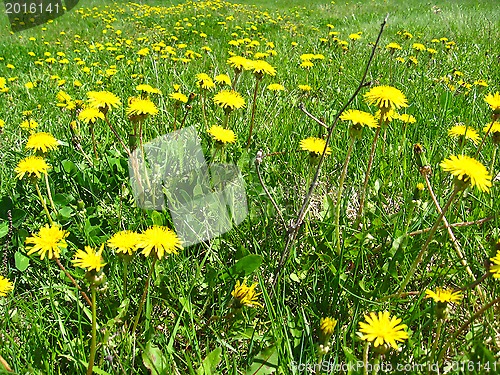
x=454, y=225
x=73, y=281
x=295, y=225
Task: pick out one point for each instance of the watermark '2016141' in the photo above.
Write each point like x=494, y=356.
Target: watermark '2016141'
x=25, y=14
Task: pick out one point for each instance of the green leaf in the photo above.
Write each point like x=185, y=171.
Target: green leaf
x=157, y=218
x=4, y=229
x=22, y=261
x=154, y=360
x=246, y=265
x=210, y=363
x=264, y=363
x=18, y=217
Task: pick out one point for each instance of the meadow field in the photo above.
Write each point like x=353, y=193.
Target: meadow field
x=363, y=134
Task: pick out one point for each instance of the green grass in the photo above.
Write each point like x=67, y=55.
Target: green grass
x=45, y=327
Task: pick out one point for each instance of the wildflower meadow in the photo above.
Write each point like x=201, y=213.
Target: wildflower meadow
x=250, y=187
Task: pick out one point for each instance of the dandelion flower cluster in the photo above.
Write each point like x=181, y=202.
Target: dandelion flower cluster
x=383, y=329
x=468, y=170
x=49, y=240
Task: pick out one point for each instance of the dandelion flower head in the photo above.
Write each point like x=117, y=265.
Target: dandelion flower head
x=89, y=259
x=315, y=146
x=229, y=100
x=464, y=131
x=358, y=117
x=383, y=329
x=159, y=240
x=494, y=101
x=42, y=142
x=495, y=267
x=103, y=100
x=90, y=115
x=31, y=166
x=246, y=295
x=386, y=98
x=444, y=295
x=5, y=286
x=222, y=135
x=141, y=107
x=327, y=325
x=124, y=241
x=49, y=240
x=468, y=170
x=178, y=97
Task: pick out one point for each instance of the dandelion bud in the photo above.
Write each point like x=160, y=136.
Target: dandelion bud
x=420, y=158
x=95, y=278
x=417, y=193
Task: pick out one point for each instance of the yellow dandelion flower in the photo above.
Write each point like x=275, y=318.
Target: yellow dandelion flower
x=468, y=170
x=31, y=166
x=305, y=87
x=141, y=107
x=29, y=124
x=5, y=286
x=494, y=101
x=42, y=142
x=382, y=329
x=124, y=241
x=204, y=81
x=229, y=100
x=409, y=119
x=239, y=63
x=49, y=240
x=359, y=118
x=90, y=115
x=222, y=135
x=315, y=146
x=90, y=259
x=393, y=47
x=418, y=47
x=492, y=127
x=327, y=325
x=178, y=97
x=386, y=97
x=459, y=130
x=103, y=100
x=261, y=67
x=245, y=295
x=223, y=79
x=2, y=123
x=495, y=268
x=148, y=89
x=159, y=240
x=275, y=87
x=306, y=64
x=444, y=295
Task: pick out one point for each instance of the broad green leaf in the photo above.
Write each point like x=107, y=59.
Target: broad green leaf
x=154, y=360
x=22, y=261
x=264, y=363
x=246, y=265
x=4, y=229
x=210, y=363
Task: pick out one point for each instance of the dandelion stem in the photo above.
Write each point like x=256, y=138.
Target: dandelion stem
x=466, y=325
x=254, y=105
x=434, y=345
x=92, y=134
x=144, y=294
x=117, y=136
x=42, y=201
x=49, y=194
x=420, y=255
x=93, y=341
x=176, y=107
x=367, y=177
x=480, y=147
x=493, y=157
x=295, y=225
x=339, y=194
x=376, y=364
x=73, y=281
x=454, y=241
x=258, y=161
x=365, y=358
